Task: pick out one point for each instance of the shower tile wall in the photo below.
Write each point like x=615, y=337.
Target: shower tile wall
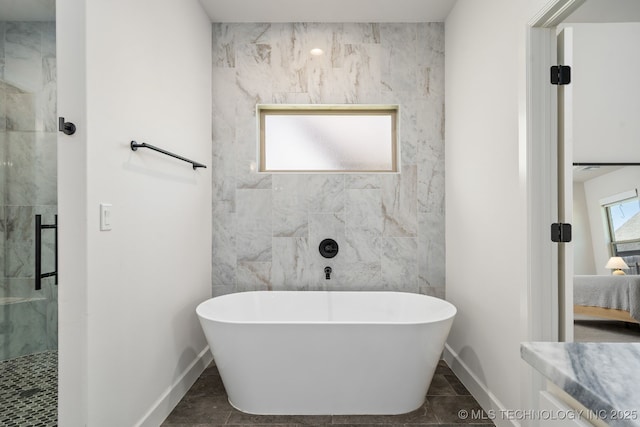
x=28, y=318
x=267, y=228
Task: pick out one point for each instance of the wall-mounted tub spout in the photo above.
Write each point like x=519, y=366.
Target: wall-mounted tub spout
x=327, y=273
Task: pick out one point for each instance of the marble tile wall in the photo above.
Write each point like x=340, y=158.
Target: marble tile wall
x=28, y=185
x=267, y=227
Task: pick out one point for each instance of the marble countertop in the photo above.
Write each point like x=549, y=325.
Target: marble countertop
x=604, y=377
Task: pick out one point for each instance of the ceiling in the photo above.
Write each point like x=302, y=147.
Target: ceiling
x=334, y=10
x=328, y=10
x=386, y=10
x=606, y=11
x=585, y=173
x=274, y=10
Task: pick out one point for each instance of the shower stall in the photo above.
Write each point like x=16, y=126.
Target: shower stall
x=28, y=188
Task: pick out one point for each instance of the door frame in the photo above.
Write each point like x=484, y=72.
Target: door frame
x=565, y=188
x=73, y=358
x=542, y=170
x=539, y=145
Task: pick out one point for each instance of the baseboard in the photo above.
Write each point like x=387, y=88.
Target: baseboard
x=172, y=396
x=165, y=404
x=487, y=400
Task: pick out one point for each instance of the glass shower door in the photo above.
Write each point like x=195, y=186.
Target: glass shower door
x=28, y=187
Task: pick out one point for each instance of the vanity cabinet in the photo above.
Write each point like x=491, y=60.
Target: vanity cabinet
x=560, y=414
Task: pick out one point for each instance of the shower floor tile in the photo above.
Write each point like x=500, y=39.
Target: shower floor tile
x=29, y=390
x=206, y=405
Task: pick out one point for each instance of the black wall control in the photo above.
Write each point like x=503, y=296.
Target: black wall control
x=328, y=248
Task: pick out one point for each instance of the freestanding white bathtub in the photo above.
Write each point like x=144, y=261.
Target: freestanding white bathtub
x=312, y=353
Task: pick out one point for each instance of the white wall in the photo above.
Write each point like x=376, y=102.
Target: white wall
x=583, y=262
x=486, y=211
x=486, y=196
x=148, y=78
x=606, y=92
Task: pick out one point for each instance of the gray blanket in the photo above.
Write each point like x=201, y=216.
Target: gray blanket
x=620, y=292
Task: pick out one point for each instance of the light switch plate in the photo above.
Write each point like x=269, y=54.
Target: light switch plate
x=105, y=216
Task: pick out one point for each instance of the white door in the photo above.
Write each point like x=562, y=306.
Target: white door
x=565, y=189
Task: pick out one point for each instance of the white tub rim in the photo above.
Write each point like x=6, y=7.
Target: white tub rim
x=450, y=313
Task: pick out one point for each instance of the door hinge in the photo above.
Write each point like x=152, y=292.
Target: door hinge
x=560, y=75
x=560, y=233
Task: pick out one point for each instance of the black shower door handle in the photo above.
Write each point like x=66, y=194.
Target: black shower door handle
x=39, y=275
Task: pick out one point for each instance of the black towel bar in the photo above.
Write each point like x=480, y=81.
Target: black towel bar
x=135, y=146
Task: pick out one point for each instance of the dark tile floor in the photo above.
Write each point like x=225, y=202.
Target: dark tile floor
x=206, y=405
x=29, y=390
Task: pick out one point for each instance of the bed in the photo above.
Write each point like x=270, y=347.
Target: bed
x=609, y=297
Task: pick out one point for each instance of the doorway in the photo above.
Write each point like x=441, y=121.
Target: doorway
x=606, y=210
x=551, y=304
x=599, y=132
x=28, y=190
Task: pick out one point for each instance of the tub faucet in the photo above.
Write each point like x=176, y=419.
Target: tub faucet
x=327, y=273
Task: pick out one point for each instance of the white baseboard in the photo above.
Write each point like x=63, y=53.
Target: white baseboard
x=487, y=400
x=172, y=396
x=165, y=404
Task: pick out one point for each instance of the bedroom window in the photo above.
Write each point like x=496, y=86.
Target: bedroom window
x=623, y=219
